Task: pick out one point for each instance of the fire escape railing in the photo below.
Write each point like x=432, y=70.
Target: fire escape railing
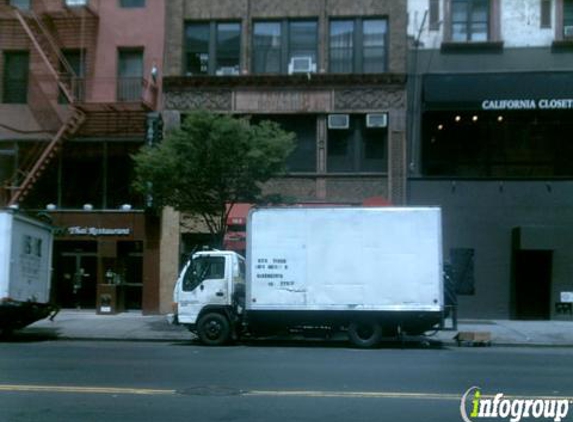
x=50, y=53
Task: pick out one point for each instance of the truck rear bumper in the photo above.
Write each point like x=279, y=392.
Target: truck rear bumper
x=15, y=315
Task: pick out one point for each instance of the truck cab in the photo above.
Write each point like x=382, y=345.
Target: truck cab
x=210, y=295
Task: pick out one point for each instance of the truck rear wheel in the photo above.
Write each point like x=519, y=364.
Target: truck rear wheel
x=214, y=329
x=364, y=334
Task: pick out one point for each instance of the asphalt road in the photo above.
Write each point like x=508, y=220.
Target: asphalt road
x=57, y=381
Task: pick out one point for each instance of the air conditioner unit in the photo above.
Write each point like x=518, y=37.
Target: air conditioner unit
x=377, y=120
x=568, y=31
x=338, y=121
x=227, y=71
x=76, y=3
x=301, y=64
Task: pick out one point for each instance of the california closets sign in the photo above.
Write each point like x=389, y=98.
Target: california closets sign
x=97, y=231
x=528, y=104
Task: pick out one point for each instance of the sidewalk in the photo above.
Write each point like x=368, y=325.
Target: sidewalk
x=133, y=326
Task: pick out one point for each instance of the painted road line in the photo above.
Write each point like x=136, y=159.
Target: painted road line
x=83, y=390
x=259, y=393
x=355, y=394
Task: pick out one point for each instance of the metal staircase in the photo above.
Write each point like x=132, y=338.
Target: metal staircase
x=36, y=162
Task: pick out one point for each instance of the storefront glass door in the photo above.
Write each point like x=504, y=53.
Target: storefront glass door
x=77, y=281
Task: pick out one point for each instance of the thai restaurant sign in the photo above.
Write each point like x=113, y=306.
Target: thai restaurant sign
x=97, y=231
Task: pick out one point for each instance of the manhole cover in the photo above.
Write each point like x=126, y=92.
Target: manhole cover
x=210, y=390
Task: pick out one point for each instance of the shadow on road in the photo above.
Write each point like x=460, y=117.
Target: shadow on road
x=341, y=343
x=30, y=335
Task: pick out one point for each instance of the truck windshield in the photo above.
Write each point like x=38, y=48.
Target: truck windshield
x=203, y=268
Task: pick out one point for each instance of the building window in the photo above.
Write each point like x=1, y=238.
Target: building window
x=513, y=144
x=358, y=45
x=212, y=48
x=545, y=14
x=131, y=3
x=357, y=148
x=21, y=4
x=15, y=81
x=568, y=19
x=470, y=20
x=130, y=75
x=285, y=46
x=434, y=15
x=303, y=158
x=75, y=82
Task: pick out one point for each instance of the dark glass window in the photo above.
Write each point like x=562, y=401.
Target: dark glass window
x=434, y=15
x=21, y=4
x=130, y=75
x=228, y=50
x=374, y=39
x=82, y=174
x=132, y=3
x=212, y=48
x=303, y=158
x=341, y=46
x=197, y=48
x=285, y=46
x=97, y=173
x=519, y=144
x=568, y=18
x=76, y=60
x=358, y=46
x=267, y=47
x=16, y=68
x=358, y=148
x=545, y=13
x=470, y=20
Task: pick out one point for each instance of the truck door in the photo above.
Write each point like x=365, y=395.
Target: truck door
x=203, y=283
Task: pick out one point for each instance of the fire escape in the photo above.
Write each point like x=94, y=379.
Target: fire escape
x=64, y=102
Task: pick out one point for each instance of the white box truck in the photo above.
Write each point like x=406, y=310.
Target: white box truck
x=371, y=272
x=25, y=270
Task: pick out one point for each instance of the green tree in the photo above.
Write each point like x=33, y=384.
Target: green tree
x=211, y=163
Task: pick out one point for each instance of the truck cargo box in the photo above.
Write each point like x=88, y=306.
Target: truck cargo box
x=344, y=259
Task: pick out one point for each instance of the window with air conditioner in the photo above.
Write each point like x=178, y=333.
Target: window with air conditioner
x=285, y=46
x=301, y=64
x=212, y=48
x=357, y=149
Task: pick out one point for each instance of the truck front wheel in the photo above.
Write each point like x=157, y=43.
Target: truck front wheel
x=364, y=334
x=213, y=329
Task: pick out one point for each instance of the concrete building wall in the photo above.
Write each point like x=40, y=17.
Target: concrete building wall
x=118, y=29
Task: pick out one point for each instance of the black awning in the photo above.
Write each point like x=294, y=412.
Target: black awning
x=499, y=91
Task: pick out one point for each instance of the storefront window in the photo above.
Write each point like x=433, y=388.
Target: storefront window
x=511, y=144
x=95, y=173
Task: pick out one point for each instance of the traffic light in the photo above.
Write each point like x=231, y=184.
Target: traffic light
x=154, y=128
